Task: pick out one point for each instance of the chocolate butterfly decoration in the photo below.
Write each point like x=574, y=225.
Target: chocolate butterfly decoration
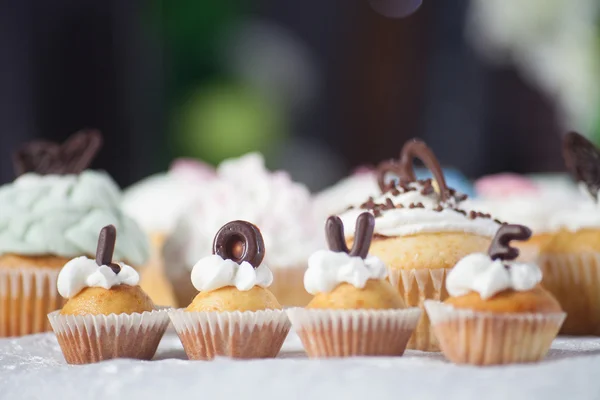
x=106, y=248
x=240, y=241
x=45, y=157
x=582, y=159
x=500, y=248
x=363, y=234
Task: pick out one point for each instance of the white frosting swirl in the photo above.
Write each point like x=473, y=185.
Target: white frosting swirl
x=585, y=214
x=407, y=221
x=63, y=214
x=479, y=273
x=327, y=269
x=213, y=272
x=82, y=272
x=349, y=191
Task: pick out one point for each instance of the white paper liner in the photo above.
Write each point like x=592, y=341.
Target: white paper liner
x=86, y=339
x=248, y=334
x=345, y=333
x=574, y=279
x=416, y=286
x=27, y=295
x=484, y=338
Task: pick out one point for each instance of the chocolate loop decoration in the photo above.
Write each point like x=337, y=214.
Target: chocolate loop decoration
x=72, y=157
x=582, y=159
x=106, y=248
x=363, y=234
x=240, y=241
x=500, y=247
x=416, y=148
x=385, y=168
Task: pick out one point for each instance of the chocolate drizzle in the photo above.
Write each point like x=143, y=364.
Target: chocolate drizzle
x=500, y=248
x=240, y=241
x=582, y=159
x=106, y=248
x=45, y=158
x=363, y=234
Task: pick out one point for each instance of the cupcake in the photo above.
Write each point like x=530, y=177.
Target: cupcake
x=156, y=203
x=51, y=213
x=497, y=312
x=107, y=315
x=355, y=311
x=234, y=315
x=244, y=190
x=570, y=261
x=421, y=231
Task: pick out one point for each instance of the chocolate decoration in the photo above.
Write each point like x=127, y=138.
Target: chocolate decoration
x=500, y=247
x=385, y=168
x=363, y=234
x=72, y=157
x=582, y=159
x=106, y=248
x=240, y=241
x=416, y=148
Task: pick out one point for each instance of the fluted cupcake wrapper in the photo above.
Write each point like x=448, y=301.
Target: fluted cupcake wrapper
x=248, y=334
x=27, y=295
x=86, y=339
x=574, y=279
x=346, y=333
x=416, y=286
x=482, y=338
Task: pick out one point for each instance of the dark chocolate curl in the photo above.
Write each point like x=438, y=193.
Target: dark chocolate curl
x=500, y=247
x=106, y=248
x=415, y=148
x=363, y=234
x=240, y=241
x=582, y=159
x=383, y=169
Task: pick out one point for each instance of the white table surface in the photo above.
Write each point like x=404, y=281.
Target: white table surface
x=33, y=367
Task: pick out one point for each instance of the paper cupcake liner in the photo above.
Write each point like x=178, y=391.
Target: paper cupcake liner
x=27, y=295
x=574, y=279
x=480, y=338
x=416, y=286
x=346, y=333
x=86, y=339
x=248, y=334
x=288, y=286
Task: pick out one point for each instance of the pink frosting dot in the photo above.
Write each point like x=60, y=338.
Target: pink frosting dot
x=505, y=185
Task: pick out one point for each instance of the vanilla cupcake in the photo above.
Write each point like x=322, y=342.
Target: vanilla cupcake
x=570, y=261
x=421, y=232
x=355, y=311
x=245, y=190
x=234, y=315
x=497, y=313
x=51, y=213
x=156, y=203
x=107, y=315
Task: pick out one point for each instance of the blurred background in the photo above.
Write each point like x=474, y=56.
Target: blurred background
x=319, y=87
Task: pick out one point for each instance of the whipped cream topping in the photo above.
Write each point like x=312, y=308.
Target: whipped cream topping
x=157, y=201
x=245, y=190
x=583, y=215
x=416, y=209
x=82, y=272
x=479, y=273
x=62, y=215
x=327, y=269
x=213, y=272
x=349, y=191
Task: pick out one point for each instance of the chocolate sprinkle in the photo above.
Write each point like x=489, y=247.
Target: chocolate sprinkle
x=45, y=158
x=363, y=234
x=500, y=248
x=106, y=248
x=582, y=159
x=240, y=241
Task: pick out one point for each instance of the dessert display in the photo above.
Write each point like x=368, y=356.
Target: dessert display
x=52, y=212
x=107, y=315
x=355, y=310
x=570, y=261
x=497, y=312
x=156, y=203
x=245, y=190
x=234, y=315
x=421, y=231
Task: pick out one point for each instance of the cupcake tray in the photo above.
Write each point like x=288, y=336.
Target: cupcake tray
x=33, y=367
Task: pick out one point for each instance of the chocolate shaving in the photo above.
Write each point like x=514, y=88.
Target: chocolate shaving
x=582, y=159
x=106, y=248
x=45, y=158
x=363, y=234
x=500, y=248
x=240, y=241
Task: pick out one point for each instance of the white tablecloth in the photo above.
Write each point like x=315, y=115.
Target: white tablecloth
x=32, y=367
